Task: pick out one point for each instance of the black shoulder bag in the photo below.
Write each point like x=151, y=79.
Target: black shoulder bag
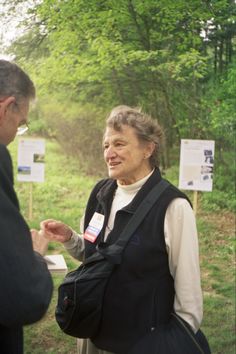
x=80, y=296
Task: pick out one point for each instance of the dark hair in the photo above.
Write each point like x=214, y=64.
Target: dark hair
x=147, y=129
x=15, y=82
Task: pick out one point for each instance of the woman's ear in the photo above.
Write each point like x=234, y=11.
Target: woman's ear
x=148, y=151
x=150, y=148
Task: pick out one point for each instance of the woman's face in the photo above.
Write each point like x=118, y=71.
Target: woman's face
x=126, y=157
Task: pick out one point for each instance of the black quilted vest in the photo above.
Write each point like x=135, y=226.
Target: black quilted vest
x=140, y=294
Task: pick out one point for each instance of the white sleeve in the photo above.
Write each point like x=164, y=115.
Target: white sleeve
x=75, y=246
x=182, y=246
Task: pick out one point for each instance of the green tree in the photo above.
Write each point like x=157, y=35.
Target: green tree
x=160, y=55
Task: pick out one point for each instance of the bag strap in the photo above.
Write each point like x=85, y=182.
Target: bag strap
x=113, y=252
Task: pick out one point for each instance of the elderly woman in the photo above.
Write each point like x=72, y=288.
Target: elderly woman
x=153, y=302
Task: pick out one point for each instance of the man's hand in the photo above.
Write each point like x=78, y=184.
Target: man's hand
x=40, y=243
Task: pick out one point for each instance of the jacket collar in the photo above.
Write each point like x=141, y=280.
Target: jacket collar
x=106, y=193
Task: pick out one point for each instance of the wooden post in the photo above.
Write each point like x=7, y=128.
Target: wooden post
x=195, y=197
x=30, y=201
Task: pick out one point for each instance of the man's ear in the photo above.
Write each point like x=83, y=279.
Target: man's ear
x=4, y=105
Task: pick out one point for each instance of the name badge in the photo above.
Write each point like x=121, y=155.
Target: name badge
x=94, y=227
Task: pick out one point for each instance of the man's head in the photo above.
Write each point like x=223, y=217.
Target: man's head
x=16, y=91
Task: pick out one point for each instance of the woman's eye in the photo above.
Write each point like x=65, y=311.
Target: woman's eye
x=119, y=144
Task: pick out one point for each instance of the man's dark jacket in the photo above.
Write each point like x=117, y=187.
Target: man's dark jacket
x=26, y=284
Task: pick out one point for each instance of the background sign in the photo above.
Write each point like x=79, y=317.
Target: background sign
x=31, y=155
x=196, y=165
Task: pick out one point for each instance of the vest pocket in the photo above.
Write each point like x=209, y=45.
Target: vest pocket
x=161, y=309
x=154, y=316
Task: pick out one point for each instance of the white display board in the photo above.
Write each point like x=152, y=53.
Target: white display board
x=31, y=157
x=196, y=165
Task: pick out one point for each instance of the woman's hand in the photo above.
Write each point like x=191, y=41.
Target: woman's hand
x=55, y=230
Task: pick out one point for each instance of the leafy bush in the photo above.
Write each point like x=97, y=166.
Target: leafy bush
x=79, y=131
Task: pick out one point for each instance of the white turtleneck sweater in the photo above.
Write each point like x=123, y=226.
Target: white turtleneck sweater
x=181, y=244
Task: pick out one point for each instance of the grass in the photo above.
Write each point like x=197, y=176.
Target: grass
x=63, y=196
x=216, y=238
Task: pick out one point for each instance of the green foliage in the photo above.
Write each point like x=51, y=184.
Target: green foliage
x=223, y=195
x=170, y=58
x=221, y=106
x=190, y=66
x=79, y=130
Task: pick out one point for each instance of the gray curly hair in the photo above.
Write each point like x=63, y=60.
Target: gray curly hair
x=146, y=128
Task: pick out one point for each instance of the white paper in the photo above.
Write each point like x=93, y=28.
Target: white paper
x=31, y=155
x=56, y=263
x=196, y=165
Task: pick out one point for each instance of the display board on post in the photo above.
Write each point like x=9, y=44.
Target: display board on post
x=30, y=166
x=196, y=166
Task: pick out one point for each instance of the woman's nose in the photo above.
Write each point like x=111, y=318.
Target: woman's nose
x=110, y=152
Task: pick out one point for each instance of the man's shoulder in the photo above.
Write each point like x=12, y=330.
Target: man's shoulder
x=6, y=175
x=5, y=157
x=3, y=150
x=5, y=161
